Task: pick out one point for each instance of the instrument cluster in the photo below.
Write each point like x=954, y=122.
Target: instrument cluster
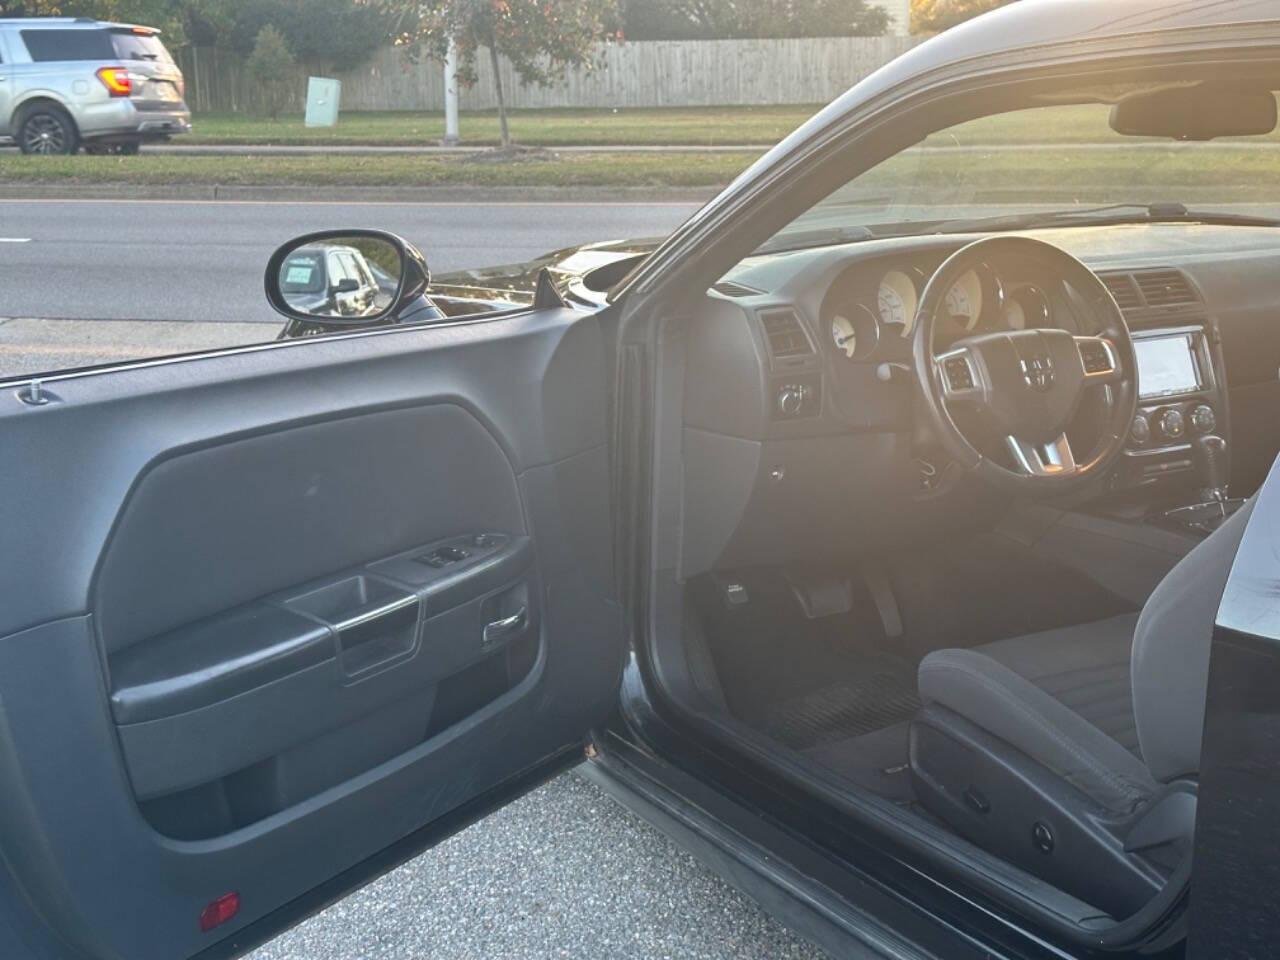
x=865, y=315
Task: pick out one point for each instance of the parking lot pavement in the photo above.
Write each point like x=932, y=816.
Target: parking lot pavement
x=563, y=872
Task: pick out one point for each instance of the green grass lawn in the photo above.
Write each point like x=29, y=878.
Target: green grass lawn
x=1070, y=170
x=1198, y=174
x=628, y=170
x=680, y=126
x=691, y=126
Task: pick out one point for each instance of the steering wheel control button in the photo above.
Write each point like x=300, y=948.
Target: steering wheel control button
x=1140, y=429
x=959, y=373
x=1202, y=418
x=1096, y=356
x=1170, y=424
x=1042, y=837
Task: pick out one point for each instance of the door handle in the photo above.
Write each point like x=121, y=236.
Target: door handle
x=502, y=630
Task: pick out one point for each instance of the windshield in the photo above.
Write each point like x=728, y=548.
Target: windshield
x=1042, y=160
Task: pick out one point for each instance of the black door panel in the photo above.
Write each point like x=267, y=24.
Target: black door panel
x=291, y=605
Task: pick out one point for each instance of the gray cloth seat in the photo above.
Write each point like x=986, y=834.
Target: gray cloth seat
x=1114, y=707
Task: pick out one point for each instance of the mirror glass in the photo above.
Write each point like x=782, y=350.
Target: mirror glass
x=341, y=278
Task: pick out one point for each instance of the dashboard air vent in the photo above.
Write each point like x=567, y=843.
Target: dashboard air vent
x=728, y=288
x=1164, y=288
x=785, y=335
x=1122, y=288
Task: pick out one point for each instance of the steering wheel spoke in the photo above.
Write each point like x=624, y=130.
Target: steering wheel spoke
x=1042, y=459
x=1098, y=356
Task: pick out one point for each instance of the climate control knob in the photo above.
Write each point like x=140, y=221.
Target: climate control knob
x=1170, y=424
x=1140, y=429
x=1202, y=418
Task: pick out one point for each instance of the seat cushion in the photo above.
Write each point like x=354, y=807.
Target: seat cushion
x=1086, y=668
x=1062, y=697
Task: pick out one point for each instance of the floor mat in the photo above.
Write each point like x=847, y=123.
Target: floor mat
x=879, y=692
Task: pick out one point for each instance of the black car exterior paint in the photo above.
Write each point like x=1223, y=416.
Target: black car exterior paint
x=1237, y=852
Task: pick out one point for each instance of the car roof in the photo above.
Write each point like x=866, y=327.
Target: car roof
x=71, y=22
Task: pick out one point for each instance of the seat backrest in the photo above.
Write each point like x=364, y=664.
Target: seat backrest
x=1170, y=665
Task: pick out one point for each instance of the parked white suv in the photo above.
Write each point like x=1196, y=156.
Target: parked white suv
x=67, y=83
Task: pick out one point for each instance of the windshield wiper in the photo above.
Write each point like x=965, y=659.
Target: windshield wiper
x=1111, y=213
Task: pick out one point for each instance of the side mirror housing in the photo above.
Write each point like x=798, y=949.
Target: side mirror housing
x=298, y=285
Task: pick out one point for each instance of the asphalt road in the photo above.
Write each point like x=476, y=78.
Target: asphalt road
x=95, y=281
x=185, y=260
x=564, y=872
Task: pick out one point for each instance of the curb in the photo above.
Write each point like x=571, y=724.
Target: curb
x=298, y=193
x=425, y=150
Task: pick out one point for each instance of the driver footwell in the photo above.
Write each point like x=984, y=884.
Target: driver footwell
x=838, y=685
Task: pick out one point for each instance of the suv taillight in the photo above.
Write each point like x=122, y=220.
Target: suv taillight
x=116, y=80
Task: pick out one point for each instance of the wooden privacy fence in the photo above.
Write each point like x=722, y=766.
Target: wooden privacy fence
x=643, y=74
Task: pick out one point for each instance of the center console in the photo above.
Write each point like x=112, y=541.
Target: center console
x=1179, y=399
x=1177, y=449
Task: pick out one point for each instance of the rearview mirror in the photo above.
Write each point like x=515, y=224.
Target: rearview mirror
x=1202, y=112
x=344, y=279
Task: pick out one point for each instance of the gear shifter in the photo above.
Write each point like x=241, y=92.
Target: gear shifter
x=1209, y=455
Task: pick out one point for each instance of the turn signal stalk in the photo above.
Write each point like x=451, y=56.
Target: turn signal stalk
x=116, y=80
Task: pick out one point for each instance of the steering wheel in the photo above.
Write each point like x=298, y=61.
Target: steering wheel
x=1026, y=385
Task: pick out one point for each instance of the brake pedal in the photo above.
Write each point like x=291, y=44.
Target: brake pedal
x=882, y=595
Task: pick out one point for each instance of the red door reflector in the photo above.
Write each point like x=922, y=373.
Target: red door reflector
x=220, y=911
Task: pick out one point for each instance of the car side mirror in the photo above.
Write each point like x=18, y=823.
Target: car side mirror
x=298, y=286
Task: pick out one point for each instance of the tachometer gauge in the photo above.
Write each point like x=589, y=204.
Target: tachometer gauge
x=964, y=301
x=1026, y=307
x=854, y=330
x=897, y=301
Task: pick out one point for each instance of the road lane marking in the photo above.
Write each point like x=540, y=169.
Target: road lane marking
x=15, y=239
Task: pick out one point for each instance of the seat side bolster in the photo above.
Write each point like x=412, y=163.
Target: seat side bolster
x=995, y=698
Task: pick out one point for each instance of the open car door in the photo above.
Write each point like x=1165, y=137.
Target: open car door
x=276, y=618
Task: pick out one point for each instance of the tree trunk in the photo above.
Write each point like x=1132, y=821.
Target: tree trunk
x=497, y=87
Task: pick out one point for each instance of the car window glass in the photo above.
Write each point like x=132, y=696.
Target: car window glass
x=135, y=46
x=303, y=273
x=337, y=269
x=55, y=45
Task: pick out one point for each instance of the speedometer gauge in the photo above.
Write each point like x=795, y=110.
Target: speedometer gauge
x=897, y=301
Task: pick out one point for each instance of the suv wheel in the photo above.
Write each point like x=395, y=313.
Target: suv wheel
x=46, y=129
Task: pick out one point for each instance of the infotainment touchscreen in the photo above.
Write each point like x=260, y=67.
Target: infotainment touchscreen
x=1166, y=366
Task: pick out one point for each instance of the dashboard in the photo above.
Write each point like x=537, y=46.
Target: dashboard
x=798, y=399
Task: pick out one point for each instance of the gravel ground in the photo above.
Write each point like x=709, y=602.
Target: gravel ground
x=563, y=872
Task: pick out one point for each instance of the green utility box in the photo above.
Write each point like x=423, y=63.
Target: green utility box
x=322, y=101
